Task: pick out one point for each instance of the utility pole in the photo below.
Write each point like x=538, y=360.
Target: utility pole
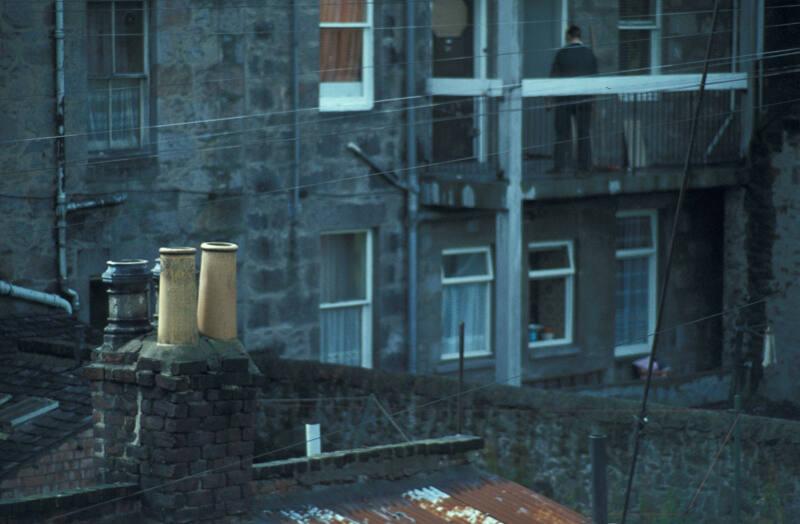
x=508, y=223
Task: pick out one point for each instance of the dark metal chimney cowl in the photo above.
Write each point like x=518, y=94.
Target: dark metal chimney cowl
x=128, y=284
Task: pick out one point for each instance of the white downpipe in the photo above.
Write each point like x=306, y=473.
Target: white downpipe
x=31, y=295
x=61, y=196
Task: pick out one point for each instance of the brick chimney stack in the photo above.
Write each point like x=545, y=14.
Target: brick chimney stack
x=176, y=413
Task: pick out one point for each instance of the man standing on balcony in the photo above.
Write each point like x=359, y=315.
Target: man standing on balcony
x=574, y=59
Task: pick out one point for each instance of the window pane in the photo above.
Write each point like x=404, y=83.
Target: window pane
x=125, y=108
x=340, y=55
x=467, y=303
x=465, y=265
x=99, y=38
x=634, y=232
x=129, y=37
x=343, y=271
x=98, y=115
x=547, y=308
x=341, y=335
x=453, y=39
x=635, y=10
x=634, y=52
x=632, y=301
x=342, y=11
x=548, y=258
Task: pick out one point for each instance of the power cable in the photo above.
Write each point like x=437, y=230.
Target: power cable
x=235, y=196
x=642, y=420
x=317, y=123
x=364, y=421
x=357, y=114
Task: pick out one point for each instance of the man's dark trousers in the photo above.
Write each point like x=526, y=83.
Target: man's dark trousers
x=582, y=111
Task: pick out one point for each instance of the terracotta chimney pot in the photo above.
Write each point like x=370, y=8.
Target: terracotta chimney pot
x=177, y=297
x=216, y=312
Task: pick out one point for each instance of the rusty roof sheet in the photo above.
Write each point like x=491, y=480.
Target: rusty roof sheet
x=466, y=496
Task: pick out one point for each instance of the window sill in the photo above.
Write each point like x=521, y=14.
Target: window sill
x=553, y=351
x=475, y=361
x=626, y=352
x=344, y=105
x=98, y=157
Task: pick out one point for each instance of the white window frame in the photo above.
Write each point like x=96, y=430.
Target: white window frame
x=654, y=27
x=365, y=304
x=568, y=274
x=336, y=96
x=477, y=83
x=642, y=348
x=454, y=281
x=144, y=79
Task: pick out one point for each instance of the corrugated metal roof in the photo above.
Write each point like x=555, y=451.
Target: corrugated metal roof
x=475, y=499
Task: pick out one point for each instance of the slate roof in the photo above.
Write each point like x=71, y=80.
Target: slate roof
x=458, y=495
x=25, y=375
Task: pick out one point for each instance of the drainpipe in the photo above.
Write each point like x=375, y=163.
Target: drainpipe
x=23, y=293
x=61, y=196
x=412, y=196
x=294, y=207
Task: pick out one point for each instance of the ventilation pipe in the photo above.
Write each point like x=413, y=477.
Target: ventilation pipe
x=61, y=196
x=177, y=297
x=31, y=295
x=216, y=311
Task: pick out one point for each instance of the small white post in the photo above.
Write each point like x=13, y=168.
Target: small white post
x=313, y=440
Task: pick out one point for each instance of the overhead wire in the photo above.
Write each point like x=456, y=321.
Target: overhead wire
x=94, y=162
x=364, y=421
x=356, y=114
x=218, y=198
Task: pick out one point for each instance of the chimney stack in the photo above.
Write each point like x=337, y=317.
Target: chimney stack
x=176, y=412
x=216, y=312
x=177, y=297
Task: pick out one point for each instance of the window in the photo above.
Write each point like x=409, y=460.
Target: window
x=551, y=275
x=467, y=277
x=117, y=57
x=460, y=39
x=346, y=298
x=635, y=282
x=345, y=55
x=639, y=36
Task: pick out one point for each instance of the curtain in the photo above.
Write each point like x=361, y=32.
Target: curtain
x=340, y=332
x=465, y=303
x=340, y=54
x=125, y=114
x=342, y=10
x=98, y=115
x=632, y=301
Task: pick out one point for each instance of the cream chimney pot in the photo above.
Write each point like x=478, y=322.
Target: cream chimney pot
x=177, y=297
x=216, y=312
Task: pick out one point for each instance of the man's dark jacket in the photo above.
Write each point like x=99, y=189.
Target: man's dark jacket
x=574, y=60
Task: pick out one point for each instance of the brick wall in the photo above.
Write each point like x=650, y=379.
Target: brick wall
x=69, y=466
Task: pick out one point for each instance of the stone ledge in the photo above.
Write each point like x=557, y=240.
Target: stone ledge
x=335, y=461
x=64, y=501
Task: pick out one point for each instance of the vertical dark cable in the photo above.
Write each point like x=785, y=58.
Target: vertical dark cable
x=640, y=423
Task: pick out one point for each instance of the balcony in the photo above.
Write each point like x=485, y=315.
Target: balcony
x=637, y=134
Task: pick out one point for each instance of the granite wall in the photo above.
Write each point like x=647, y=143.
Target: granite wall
x=540, y=439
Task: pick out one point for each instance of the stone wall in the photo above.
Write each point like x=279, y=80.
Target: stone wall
x=69, y=466
x=217, y=163
x=540, y=438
